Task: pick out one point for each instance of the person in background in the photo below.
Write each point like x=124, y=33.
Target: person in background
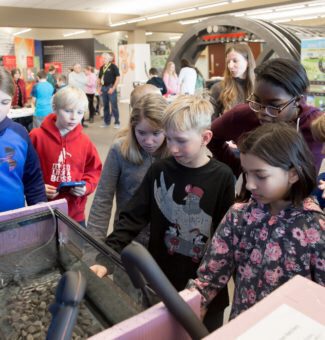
x=21, y=177
x=77, y=78
x=20, y=98
x=66, y=153
x=61, y=81
x=41, y=93
x=170, y=79
x=278, y=96
x=128, y=160
x=187, y=78
x=277, y=232
x=90, y=91
x=318, y=132
x=183, y=197
x=156, y=80
x=139, y=91
x=200, y=82
x=238, y=79
x=50, y=77
x=108, y=79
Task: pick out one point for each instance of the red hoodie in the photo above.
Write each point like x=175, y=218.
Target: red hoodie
x=72, y=157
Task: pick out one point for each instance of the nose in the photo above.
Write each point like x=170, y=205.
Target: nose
x=250, y=184
x=172, y=148
x=148, y=140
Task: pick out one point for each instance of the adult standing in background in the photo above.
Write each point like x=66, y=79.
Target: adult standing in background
x=19, y=99
x=187, y=78
x=90, y=91
x=78, y=79
x=108, y=79
x=238, y=81
x=171, y=79
x=42, y=98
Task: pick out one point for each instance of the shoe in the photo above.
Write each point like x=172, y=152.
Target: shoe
x=84, y=125
x=104, y=126
x=116, y=126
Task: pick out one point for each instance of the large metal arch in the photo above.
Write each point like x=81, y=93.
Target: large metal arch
x=279, y=40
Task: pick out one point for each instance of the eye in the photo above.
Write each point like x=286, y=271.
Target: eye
x=261, y=178
x=80, y=112
x=157, y=133
x=141, y=133
x=5, y=101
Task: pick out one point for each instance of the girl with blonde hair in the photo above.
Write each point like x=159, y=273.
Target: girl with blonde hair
x=128, y=160
x=170, y=79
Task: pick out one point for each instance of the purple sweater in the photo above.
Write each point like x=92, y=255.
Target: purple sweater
x=232, y=124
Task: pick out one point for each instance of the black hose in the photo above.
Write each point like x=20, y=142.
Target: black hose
x=69, y=293
x=139, y=264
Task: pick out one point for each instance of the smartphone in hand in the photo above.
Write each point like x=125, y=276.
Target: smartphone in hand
x=65, y=186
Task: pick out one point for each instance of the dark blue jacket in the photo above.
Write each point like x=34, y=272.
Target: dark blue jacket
x=20, y=172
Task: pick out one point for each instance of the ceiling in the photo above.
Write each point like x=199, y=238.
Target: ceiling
x=98, y=16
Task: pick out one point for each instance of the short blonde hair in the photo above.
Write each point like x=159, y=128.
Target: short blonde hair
x=188, y=112
x=318, y=128
x=69, y=97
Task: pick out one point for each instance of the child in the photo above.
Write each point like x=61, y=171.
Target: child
x=61, y=81
x=278, y=96
x=66, y=153
x=156, y=80
x=21, y=176
x=278, y=233
x=42, y=98
x=183, y=197
x=128, y=161
x=318, y=132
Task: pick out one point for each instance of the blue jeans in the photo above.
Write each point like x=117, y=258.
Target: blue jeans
x=107, y=99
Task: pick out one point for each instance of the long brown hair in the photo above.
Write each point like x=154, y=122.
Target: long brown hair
x=152, y=108
x=231, y=93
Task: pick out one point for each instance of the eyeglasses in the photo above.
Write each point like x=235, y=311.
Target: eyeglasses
x=269, y=110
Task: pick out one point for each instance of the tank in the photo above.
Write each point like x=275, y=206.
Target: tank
x=38, y=245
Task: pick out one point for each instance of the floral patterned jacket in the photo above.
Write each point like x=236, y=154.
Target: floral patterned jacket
x=263, y=250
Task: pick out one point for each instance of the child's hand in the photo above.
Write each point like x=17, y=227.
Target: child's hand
x=99, y=270
x=78, y=191
x=321, y=186
x=51, y=192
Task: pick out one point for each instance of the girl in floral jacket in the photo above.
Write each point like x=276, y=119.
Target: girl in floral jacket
x=274, y=235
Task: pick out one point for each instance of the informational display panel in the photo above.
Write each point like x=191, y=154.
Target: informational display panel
x=313, y=59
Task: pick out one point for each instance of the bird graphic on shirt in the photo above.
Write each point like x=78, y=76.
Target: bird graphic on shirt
x=188, y=220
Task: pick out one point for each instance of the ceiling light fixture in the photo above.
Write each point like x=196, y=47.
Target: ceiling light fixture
x=74, y=33
x=186, y=10
x=23, y=31
x=131, y=21
x=213, y=5
x=148, y=33
x=158, y=16
x=118, y=24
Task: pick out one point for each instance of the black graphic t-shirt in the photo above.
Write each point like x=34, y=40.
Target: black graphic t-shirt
x=184, y=207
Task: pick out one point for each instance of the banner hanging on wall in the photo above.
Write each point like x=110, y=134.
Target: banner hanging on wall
x=9, y=61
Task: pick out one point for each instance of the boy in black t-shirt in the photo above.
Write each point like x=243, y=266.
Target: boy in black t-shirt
x=183, y=197
x=156, y=80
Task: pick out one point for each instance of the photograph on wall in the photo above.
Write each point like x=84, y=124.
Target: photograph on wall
x=159, y=52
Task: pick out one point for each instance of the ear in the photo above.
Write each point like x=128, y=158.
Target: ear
x=293, y=176
x=206, y=137
x=299, y=100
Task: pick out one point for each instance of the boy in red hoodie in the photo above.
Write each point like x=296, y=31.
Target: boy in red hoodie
x=66, y=153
